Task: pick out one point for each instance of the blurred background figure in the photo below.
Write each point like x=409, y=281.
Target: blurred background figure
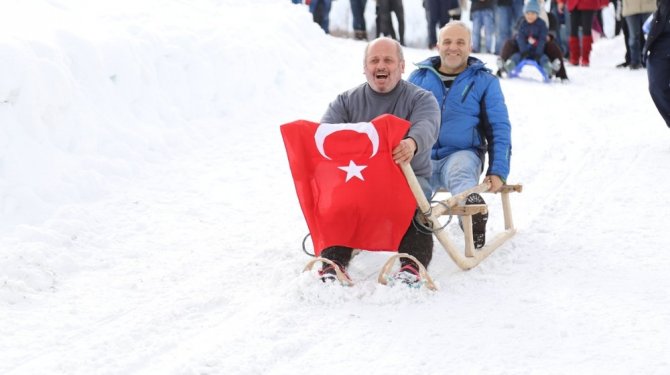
x=358, y=12
x=481, y=13
x=657, y=53
x=438, y=14
x=385, y=23
x=320, y=10
x=635, y=12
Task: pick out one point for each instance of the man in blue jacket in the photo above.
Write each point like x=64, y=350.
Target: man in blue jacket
x=474, y=119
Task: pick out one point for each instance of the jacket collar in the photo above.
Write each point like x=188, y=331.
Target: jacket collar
x=474, y=64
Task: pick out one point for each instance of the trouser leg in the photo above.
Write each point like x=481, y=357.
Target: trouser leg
x=338, y=254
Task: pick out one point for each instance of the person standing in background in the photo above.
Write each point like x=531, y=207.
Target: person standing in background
x=581, y=15
x=481, y=12
x=437, y=15
x=358, y=12
x=384, y=22
x=320, y=10
x=635, y=12
x=657, y=54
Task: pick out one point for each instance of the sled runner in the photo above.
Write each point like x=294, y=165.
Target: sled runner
x=517, y=69
x=341, y=276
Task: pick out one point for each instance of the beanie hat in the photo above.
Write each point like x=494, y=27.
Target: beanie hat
x=532, y=6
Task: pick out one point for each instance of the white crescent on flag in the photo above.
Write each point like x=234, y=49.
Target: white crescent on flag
x=324, y=130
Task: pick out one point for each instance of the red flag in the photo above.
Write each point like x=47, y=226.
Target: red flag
x=350, y=190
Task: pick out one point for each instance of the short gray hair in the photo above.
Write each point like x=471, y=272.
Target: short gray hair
x=455, y=23
x=401, y=56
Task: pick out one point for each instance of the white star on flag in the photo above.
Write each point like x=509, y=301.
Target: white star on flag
x=353, y=170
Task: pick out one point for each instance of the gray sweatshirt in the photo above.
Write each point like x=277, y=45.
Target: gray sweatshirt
x=407, y=101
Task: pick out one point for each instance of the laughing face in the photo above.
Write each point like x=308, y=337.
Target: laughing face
x=384, y=65
x=454, y=48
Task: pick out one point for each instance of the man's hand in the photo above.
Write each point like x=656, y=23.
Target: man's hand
x=495, y=181
x=404, y=151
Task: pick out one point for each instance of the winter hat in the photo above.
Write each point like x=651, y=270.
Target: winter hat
x=532, y=6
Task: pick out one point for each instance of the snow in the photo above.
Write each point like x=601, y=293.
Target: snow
x=149, y=224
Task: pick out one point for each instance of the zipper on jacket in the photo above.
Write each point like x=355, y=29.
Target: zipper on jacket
x=466, y=91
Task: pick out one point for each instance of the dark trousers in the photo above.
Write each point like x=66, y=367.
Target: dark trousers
x=583, y=18
x=437, y=15
x=626, y=35
x=358, y=11
x=658, y=72
x=384, y=23
x=414, y=242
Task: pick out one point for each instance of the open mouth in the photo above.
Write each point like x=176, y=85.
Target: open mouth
x=381, y=75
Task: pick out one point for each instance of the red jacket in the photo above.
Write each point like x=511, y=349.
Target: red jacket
x=584, y=4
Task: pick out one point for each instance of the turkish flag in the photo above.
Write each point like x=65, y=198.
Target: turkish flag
x=350, y=190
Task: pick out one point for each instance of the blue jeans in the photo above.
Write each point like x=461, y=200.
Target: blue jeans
x=358, y=10
x=634, y=23
x=457, y=172
x=504, y=23
x=481, y=18
x=321, y=13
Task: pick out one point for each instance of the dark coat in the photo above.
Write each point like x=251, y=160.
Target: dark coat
x=481, y=5
x=658, y=26
x=538, y=31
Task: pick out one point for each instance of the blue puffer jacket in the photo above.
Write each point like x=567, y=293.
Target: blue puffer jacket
x=461, y=107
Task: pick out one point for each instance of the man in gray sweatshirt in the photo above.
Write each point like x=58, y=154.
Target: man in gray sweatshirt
x=386, y=92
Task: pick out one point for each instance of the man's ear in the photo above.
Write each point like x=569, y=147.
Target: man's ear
x=402, y=66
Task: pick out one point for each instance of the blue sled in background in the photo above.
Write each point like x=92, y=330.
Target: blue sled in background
x=517, y=69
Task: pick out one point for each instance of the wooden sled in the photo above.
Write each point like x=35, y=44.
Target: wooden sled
x=465, y=258
x=468, y=257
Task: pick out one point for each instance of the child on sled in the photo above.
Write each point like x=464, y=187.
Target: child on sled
x=532, y=42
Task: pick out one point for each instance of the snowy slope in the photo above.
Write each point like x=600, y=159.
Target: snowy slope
x=149, y=224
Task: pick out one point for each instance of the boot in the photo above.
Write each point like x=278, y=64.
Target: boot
x=573, y=46
x=587, y=40
x=360, y=35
